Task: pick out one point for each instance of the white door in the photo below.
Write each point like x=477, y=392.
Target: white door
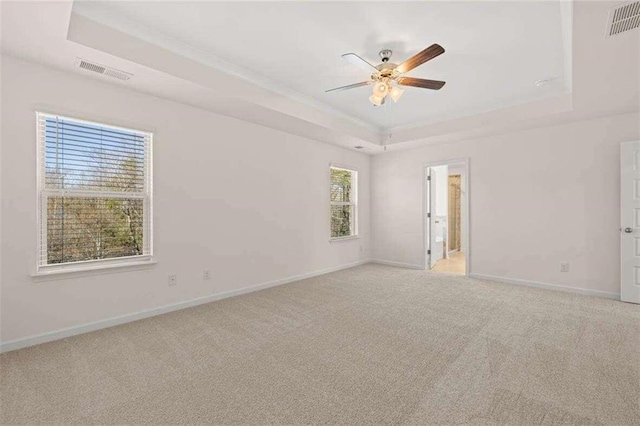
x=434, y=219
x=630, y=222
x=438, y=206
x=427, y=220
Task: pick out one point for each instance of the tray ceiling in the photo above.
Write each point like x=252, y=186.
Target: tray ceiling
x=495, y=51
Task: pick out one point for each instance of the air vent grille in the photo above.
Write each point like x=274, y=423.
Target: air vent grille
x=101, y=69
x=624, y=17
x=92, y=67
x=117, y=74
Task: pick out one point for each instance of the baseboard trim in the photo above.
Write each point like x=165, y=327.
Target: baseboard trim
x=398, y=264
x=25, y=342
x=547, y=286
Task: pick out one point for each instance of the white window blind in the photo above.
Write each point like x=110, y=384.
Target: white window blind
x=344, y=202
x=94, y=193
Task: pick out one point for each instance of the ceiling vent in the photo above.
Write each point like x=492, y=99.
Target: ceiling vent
x=623, y=18
x=101, y=69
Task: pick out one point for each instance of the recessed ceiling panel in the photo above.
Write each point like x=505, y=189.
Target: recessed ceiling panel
x=495, y=51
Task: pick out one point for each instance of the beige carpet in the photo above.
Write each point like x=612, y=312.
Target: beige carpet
x=368, y=345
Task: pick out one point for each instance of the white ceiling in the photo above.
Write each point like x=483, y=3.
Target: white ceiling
x=495, y=51
x=603, y=74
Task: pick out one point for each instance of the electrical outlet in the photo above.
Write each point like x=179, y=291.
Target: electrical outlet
x=564, y=266
x=206, y=274
x=173, y=280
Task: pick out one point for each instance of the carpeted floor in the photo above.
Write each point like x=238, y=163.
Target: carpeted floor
x=368, y=345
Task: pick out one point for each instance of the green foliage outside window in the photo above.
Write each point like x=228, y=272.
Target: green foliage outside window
x=343, y=187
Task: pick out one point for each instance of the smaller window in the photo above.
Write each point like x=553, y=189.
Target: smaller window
x=344, y=202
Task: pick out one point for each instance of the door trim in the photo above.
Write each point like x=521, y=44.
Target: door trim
x=465, y=215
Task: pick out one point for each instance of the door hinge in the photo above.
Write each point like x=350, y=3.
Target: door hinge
x=428, y=251
x=428, y=177
x=428, y=214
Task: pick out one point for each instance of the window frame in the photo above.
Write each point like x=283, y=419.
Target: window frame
x=42, y=194
x=353, y=202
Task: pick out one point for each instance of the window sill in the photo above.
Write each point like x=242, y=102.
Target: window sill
x=337, y=239
x=86, y=270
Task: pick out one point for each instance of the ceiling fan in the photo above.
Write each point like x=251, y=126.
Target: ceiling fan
x=387, y=76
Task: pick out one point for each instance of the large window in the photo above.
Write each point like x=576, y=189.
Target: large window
x=344, y=202
x=94, y=194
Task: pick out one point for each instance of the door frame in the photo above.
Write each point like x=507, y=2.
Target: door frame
x=464, y=162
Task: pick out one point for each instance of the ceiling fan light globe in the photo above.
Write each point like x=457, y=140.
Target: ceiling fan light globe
x=376, y=100
x=380, y=89
x=396, y=93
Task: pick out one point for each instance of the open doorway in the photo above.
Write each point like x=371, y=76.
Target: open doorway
x=446, y=217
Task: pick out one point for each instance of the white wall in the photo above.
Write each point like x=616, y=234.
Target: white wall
x=248, y=202
x=537, y=198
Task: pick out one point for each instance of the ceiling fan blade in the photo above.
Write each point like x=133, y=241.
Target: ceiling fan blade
x=351, y=86
x=420, y=58
x=421, y=82
x=359, y=62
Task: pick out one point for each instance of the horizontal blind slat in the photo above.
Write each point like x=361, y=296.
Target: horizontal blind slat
x=71, y=148
x=51, y=137
x=53, y=141
x=65, y=123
